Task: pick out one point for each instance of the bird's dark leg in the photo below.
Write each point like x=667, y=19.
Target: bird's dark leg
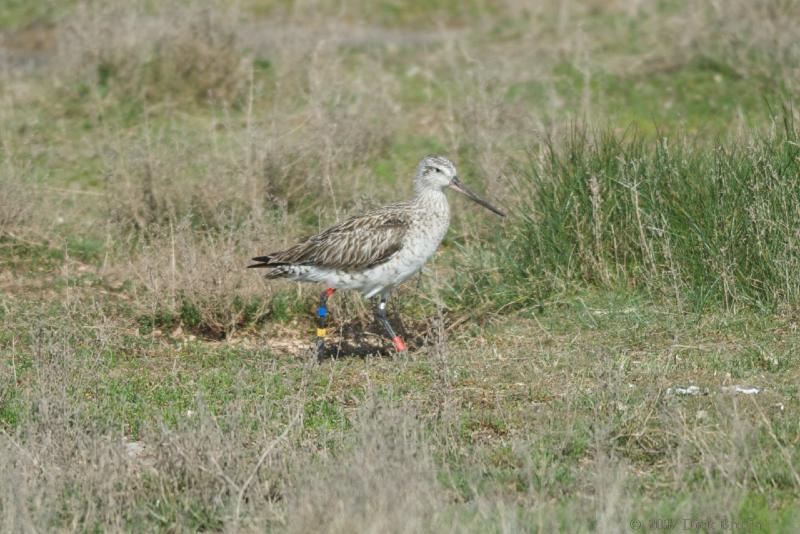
x=381, y=313
x=322, y=321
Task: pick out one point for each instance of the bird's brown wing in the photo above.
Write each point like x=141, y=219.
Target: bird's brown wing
x=354, y=244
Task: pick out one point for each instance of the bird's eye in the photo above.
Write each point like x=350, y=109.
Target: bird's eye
x=437, y=169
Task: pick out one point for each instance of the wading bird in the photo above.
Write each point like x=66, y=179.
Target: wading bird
x=375, y=252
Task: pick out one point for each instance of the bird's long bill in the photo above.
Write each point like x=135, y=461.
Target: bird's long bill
x=456, y=184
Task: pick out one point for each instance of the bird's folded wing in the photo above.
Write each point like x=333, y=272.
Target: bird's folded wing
x=354, y=244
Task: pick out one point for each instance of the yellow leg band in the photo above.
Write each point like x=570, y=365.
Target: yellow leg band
x=321, y=332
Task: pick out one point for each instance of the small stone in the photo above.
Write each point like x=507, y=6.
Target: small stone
x=134, y=448
x=744, y=390
x=690, y=390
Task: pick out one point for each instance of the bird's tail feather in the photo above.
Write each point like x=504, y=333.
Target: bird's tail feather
x=268, y=262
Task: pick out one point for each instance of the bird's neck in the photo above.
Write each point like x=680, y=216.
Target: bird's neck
x=421, y=193
x=430, y=199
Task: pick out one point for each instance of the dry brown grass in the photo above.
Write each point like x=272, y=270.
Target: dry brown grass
x=14, y=206
x=150, y=53
x=758, y=40
x=385, y=481
x=199, y=277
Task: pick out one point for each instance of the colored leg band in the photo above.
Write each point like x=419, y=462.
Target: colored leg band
x=322, y=314
x=398, y=344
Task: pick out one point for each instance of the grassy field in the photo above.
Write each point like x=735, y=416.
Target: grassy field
x=620, y=354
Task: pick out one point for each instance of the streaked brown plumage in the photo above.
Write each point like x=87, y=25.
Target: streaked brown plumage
x=357, y=243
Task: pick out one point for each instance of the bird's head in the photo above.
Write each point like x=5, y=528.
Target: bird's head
x=434, y=172
x=437, y=172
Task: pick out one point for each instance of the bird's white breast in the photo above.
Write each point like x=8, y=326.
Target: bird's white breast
x=431, y=218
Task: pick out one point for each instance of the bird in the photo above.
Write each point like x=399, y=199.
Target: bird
x=378, y=250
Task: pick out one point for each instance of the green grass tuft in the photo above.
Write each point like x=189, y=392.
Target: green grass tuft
x=706, y=227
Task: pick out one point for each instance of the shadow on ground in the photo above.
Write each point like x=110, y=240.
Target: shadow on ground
x=359, y=339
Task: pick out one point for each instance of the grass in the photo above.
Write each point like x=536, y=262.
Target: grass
x=709, y=227
x=649, y=162
x=489, y=413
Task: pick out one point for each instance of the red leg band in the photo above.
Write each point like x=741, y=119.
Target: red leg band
x=329, y=291
x=398, y=344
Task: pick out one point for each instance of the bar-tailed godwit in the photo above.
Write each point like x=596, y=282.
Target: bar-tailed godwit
x=375, y=252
